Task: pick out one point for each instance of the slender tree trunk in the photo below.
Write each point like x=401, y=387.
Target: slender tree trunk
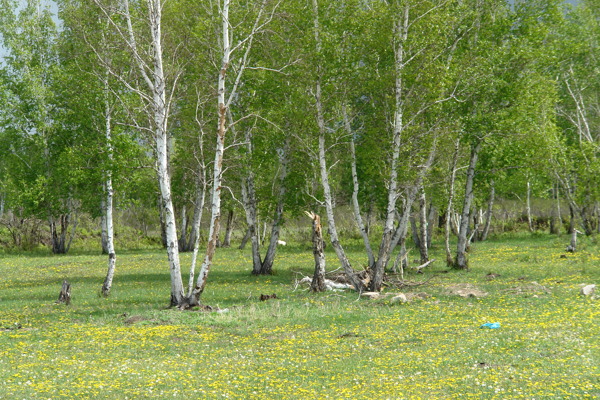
x=423, y=250
x=267, y=264
x=450, y=207
x=461, y=261
x=376, y=271
x=159, y=109
x=183, y=245
x=228, y=229
x=194, y=236
x=554, y=222
x=198, y=208
x=318, y=281
x=339, y=250
x=213, y=233
x=162, y=221
x=529, y=219
x=431, y=216
x=103, y=228
x=572, y=218
x=245, y=238
x=355, y=205
x=414, y=229
x=489, y=212
x=108, y=202
x=249, y=199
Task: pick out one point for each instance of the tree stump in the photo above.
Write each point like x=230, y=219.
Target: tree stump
x=318, y=281
x=65, y=294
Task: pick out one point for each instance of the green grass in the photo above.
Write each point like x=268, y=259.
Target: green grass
x=303, y=345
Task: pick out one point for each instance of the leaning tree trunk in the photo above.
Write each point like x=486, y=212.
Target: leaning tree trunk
x=198, y=207
x=355, y=205
x=223, y=104
x=450, y=207
x=318, y=281
x=267, y=264
x=194, y=236
x=350, y=273
x=461, y=261
x=245, y=238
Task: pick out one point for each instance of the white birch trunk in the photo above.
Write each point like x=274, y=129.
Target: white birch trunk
x=108, y=201
x=461, y=261
x=355, y=205
x=339, y=250
x=267, y=264
x=159, y=103
x=213, y=231
x=423, y=224
x=377, y=270
x=450, y=208
x=198, y=208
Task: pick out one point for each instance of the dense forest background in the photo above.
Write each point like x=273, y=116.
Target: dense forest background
x=187, y=125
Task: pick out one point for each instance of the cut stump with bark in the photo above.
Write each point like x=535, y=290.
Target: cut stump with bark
x=65, y=293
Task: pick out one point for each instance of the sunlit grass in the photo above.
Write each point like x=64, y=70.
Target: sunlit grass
x=302, y=345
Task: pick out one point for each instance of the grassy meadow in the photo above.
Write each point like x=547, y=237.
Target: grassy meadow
x=302, y=345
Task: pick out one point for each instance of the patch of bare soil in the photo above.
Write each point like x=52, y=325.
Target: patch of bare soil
x=528, y=289
x=466, y=290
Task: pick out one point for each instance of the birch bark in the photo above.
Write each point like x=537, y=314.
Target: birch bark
x=461, y=261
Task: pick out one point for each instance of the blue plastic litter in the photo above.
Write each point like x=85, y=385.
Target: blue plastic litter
x=491, y=325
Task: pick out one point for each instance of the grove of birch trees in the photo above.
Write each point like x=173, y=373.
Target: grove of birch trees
x=412, y=118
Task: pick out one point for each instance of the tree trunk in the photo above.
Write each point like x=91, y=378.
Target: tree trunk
x=555, y=221
x=431, y=216
x=249, y=199
x=355, y=205
x=103, y=229
x=108, y=203
x=213, y=232
x=194, y=236
x=450, y=207
x=183, y=245
x=245, y=238
x=377, y=270
x=318, y=281
x=228, y=229
x=529, y=219
x=267, y=264
x=350, y=273
x=489, y=212
x=198, y=207
x=414, y=229
x=163, y=224
x=423, y=250
x=461, y=261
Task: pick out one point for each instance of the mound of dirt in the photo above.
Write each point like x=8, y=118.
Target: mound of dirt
x=466, y=290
